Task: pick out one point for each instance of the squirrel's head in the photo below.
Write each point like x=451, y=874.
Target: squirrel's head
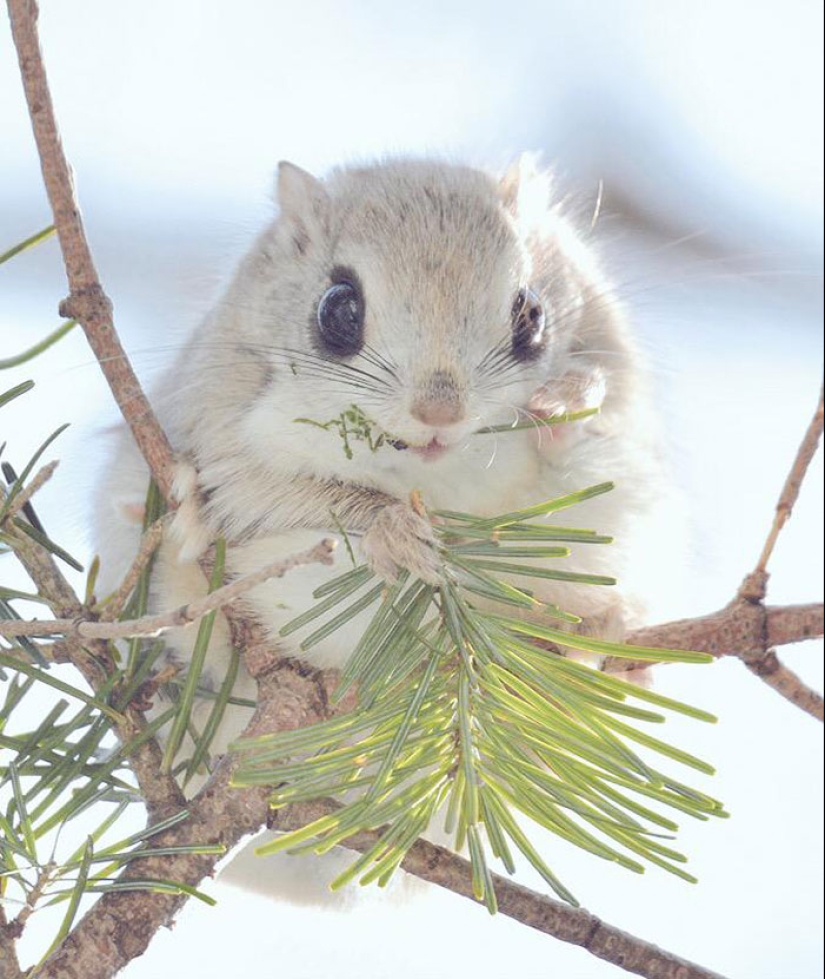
x=436, y=298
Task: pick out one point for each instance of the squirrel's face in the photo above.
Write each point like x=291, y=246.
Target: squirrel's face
x=413, y=291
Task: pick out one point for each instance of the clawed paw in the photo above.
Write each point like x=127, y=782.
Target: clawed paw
x=400, y=538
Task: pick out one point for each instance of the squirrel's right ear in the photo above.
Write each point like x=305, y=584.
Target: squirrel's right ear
x=526, y=190
x=301, y=197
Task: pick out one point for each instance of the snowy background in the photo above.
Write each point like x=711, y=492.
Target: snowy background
x=704, y=121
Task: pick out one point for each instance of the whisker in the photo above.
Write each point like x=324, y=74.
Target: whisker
x=380, y=360
x=338, y=367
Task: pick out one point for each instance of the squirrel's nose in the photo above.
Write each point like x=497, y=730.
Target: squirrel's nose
x=438, y=400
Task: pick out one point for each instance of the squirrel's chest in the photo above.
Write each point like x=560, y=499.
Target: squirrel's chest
x=516, y=479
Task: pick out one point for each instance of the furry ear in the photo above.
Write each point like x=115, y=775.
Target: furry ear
x=302, y=200
x=508, y=184
x=526, y=190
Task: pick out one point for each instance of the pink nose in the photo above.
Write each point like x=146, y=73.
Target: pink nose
x=437, y=412
x=438, y=400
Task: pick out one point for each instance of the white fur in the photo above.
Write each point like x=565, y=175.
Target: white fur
x=440, y=251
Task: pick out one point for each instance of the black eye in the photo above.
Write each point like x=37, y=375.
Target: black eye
x=341, y=319
x=528, y=325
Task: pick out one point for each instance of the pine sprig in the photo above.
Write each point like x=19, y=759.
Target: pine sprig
x=64, y=767
x=469, y=714
x=68, y=763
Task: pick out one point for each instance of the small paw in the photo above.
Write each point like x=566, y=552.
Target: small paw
x=400, y=538
x=576, y=391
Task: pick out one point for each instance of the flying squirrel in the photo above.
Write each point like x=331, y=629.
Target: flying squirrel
x=440, y=300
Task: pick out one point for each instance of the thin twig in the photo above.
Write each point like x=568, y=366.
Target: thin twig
x=576, y=926
x=113, y=605
x=753, y=588
x=87, y=302
x=43, y=880
x=768, y=667
x=42, y=477
x=82, y=627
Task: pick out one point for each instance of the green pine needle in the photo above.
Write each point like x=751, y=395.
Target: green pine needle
x=38, y=348
x=183, y=713
x=472, y=715
x=30, y=242
x=15, y=392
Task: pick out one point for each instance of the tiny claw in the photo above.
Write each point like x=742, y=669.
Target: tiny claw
x=417, y=503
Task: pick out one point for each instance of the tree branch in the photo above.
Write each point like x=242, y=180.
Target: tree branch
x=739, y=629
x=9, y=963
x=87, y=302
x=795, y=623
x=747, y=630
x=576, y=926
x=84, y=626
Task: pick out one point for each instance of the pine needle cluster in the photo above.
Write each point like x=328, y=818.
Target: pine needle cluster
x=469, y=714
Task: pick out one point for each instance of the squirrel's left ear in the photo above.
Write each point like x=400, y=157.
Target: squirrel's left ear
x=302, y=200
x=525, y=188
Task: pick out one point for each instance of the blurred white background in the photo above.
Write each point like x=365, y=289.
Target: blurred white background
x=704, y=121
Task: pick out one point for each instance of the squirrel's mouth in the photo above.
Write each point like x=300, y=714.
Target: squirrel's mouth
x=429, y=453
